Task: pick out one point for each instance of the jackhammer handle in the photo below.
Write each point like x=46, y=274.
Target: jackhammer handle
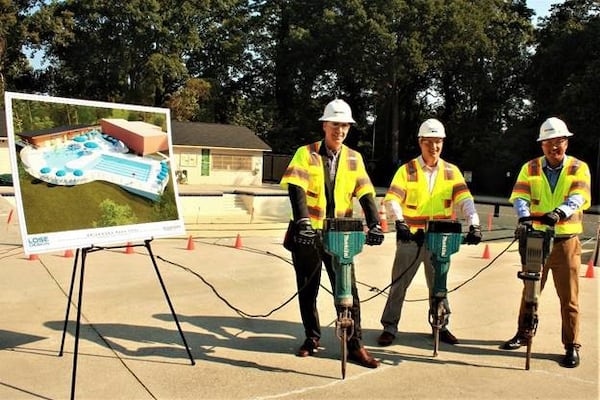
x=529, y=228
x=419, y=237
x=528, y=354
x=537, y=218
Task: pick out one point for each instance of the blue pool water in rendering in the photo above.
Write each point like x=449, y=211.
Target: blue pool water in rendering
x=124, y=167
x=57, y=158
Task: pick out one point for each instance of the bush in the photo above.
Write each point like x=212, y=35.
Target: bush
x=6, y=180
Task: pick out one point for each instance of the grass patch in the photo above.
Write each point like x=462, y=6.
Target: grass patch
x=49, y=208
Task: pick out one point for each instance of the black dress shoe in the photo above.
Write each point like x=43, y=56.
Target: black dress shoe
x=571, y=358
x=513, y=344
x=447, y=337
x=362, y=357
x=308, y=348
x=385, y=339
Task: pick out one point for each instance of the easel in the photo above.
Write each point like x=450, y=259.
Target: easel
x=84, y=253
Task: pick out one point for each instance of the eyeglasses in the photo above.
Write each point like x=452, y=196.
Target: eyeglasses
x=555, y=142
x=432, y=141
x=336, y=125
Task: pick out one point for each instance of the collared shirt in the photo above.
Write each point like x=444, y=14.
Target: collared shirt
x=552, y=173
x=430, y=172
x=332, y=160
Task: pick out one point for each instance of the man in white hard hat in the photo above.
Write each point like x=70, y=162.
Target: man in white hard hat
x=423, y=189
x=321, y=180
x=555, y=189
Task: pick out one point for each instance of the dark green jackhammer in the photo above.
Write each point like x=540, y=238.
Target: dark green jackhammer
x=343, y=238
x=535, y=246
x=443, y=238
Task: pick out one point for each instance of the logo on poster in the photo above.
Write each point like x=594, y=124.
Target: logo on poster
x=38, y=241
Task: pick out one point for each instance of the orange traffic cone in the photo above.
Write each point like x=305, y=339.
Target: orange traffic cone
x=129, y=248
x=486, y=252
x=238, y=242
x=590, y=269
x=190, y=245
x=489, y=222
x=33, y=257
x=68, y=254
x=383, y=218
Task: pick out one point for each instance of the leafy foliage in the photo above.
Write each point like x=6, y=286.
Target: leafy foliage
x=481, y=67
x=113, y=214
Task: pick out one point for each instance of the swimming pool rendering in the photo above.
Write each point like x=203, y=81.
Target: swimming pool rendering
x=91, y=156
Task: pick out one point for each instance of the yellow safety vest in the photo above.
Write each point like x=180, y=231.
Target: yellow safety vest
x=532, y=186
x=410, y=189
x=306, y=170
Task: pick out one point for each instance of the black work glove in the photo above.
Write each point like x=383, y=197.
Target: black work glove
x=419, y=237
x=552, y=217
x=474, y=236
x=522, y=229
x=402, y=231
x=305, y=234
x=375, y=236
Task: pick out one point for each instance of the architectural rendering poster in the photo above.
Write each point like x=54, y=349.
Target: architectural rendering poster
x=90, y=173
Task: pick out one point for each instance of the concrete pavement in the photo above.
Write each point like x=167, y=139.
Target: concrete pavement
x=130, y=347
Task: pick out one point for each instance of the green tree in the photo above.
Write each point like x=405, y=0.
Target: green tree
x=188, y=102
x=129, y=51
x=15, y=71
x=565, y=76
x=114, y=214
x=481, y=52
x=224, y=57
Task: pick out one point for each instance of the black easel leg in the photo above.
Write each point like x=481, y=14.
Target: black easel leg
x=62, y=342
x=79, y=299
x=162, y=284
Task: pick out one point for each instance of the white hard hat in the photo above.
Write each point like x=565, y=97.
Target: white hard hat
x=337, y=111
x=432, y=128
x=553, y=128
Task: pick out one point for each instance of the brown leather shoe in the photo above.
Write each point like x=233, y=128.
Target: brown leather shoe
x=362, y=357
x=385, y=339
x=308, y=348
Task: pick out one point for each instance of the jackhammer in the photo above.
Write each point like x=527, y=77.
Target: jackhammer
x=534, y=245
x=343, y=238
x=443, y=238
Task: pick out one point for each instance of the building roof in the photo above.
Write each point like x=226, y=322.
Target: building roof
x=141, y=128
x=198, y=134
x=215, y=135
x=54, y=130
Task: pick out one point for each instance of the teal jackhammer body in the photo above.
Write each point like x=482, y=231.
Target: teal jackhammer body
x=443, y=238
x=343, y=238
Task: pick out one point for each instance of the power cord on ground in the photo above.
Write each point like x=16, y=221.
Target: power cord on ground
x=268, y=253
